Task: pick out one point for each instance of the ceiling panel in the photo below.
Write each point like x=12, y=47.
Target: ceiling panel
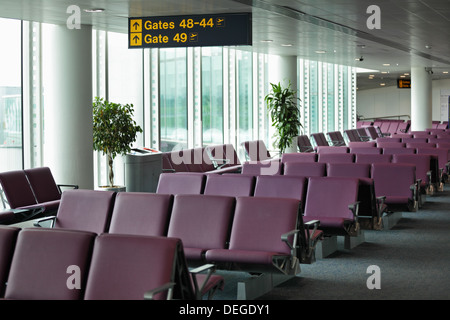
x=335, y=26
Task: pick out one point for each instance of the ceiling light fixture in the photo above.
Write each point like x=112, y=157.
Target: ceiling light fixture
x=94, y=10
x=267, y=41
x=321, y=51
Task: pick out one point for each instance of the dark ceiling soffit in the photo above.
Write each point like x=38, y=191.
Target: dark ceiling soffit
x=302, y=16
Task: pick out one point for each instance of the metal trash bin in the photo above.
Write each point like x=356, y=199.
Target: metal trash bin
x=142, y=168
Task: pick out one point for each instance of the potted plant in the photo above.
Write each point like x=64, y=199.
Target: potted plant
x=282, y=105
x=114, y=130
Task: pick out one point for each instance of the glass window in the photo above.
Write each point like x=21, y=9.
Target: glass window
x=244, y=90
x=10, y=96
x=173, y=99
x=212, y=92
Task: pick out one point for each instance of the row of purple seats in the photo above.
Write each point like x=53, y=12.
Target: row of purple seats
x=63, y=264
x=408, y=190
x=206, y=159
x=31, y=191
x=152, y=214
x=244, y=232
x=252, y=183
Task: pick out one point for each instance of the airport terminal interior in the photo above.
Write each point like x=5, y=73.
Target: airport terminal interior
x=356, y=207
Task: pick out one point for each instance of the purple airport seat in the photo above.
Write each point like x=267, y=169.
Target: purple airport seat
x=256, y=150
x=372, y=132
x=176, y=183
x=232, y=184
x=281, y=187
x=397, y=145
x=415, y=145
x=306, y=169
x=397, y=182
x=336, y=138
x=49, y=264
x=352, y=135
x=202, y=222
x=336, y=158
x=86, y=210
x=299, y=157
x=398, y=150
x=262, y=236
x=423, y=170
x=331, y=149
x=319, y=139
x=8, y=236
x=43, y=184
x=334, y=202
x=370, y=208
x=223, y=156
x=141, y=213
x=19, y=195
x=256, y=168
x=415, y=140
x=373, y=158
x=368, y=150
x=362, y=144
x=304, y=144
x=131, y=267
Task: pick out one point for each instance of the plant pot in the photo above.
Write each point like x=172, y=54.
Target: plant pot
x=113, y=188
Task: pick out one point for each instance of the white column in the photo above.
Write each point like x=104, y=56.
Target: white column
x=68, y=149
x=281, y=69
x=421, y=99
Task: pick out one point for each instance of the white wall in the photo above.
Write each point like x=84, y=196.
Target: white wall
x=391, y=101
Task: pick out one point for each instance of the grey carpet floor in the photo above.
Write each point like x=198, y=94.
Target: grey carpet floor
x=413, y=259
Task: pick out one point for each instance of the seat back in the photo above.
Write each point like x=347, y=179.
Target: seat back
x=201, y=222
x=230, y=185
x=304, y=144
x=223, y=155
x=332, y=149
x=8, y=236
x=399, y=150
x=43, y=262
x=307, y=169
x=17, y=189
x=259, y=223
x=261, y=168
x=393, y=180
x=372, y=132
x=319, y=139
x=141, y=213
x=256, y=150
x=336, y=157
x=421, y=161
x=281, y=187
x=358, y=170
x=369, y=150
x=125, y=267
x=339, y=192
x=87, y=210
x=299, y=157
x=43, y=184
x=352, y=135
x=336, y=138
x=187, y=183
x=372, y=158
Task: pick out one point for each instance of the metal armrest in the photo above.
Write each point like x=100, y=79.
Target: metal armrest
x=216, y=165
x=50, y=218
x=168, y=286
x=380, y=204
x=314, y=224
x=73, y=186
x=211, y=268
x=355, y=209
